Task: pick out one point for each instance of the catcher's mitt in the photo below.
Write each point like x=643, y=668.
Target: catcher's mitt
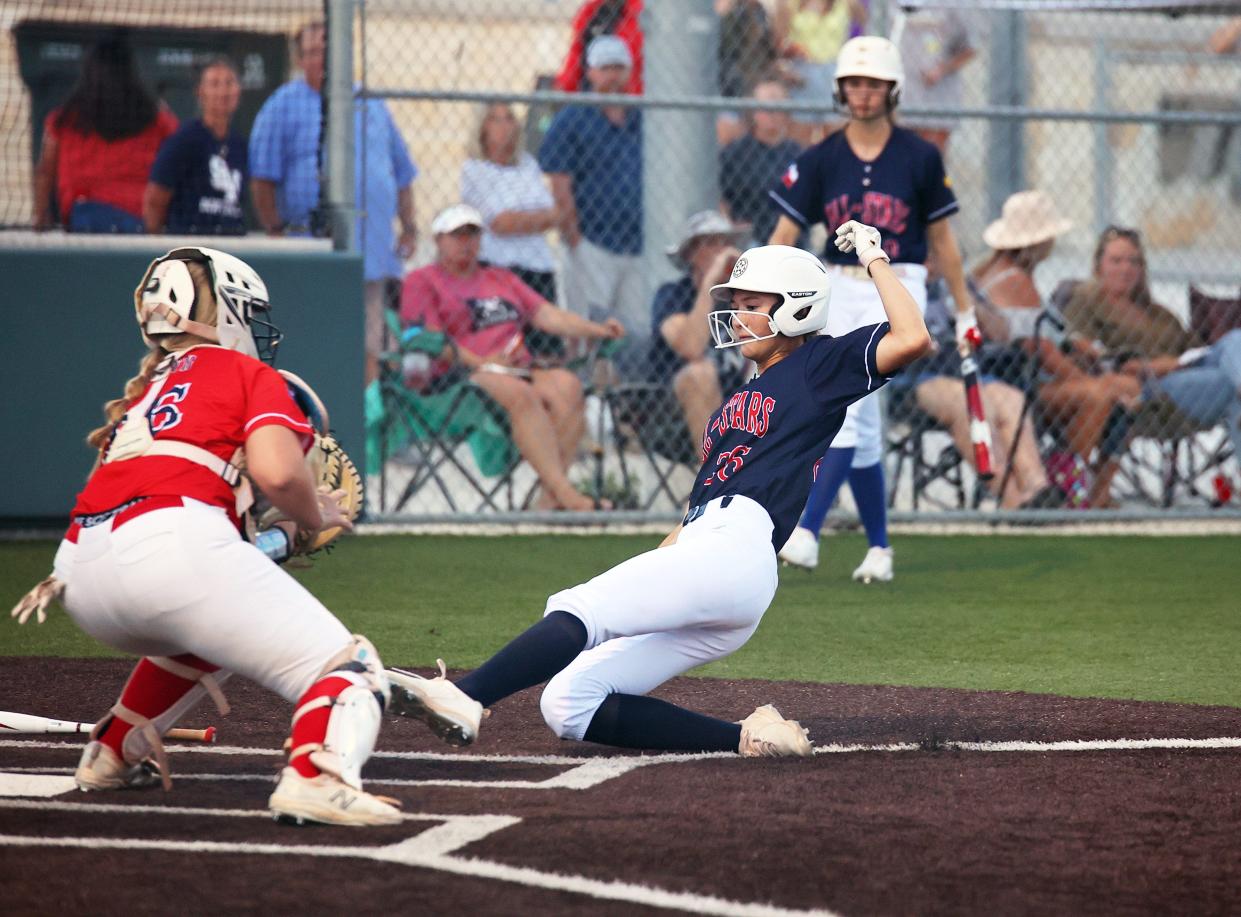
x=335, y=476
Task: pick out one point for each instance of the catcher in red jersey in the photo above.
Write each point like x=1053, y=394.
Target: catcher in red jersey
x=154, y=562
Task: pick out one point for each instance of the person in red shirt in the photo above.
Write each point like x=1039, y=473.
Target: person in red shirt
x=98, y=147
x=482, y=311
x=603, y=17
x=154, y=563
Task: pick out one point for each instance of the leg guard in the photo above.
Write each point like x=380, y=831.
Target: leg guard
x=337, y=720
x=160, y=691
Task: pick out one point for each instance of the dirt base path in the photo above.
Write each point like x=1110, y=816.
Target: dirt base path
x=918, y=825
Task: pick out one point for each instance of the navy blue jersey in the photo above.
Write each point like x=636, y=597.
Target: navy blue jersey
x=901, y=192
x=766, y=440
x=207, y=177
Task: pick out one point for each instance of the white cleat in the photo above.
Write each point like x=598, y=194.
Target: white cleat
x=876, y=567
x=766, y=734
x=326, y=800
x=100, y=769
x=452, y=714
x=801, y=550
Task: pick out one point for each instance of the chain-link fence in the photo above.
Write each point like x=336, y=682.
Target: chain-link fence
x=1108, y=301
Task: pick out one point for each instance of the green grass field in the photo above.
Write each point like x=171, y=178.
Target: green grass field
x=1123, y=617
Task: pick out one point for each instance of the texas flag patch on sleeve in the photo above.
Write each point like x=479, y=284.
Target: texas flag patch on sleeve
x=790, y=175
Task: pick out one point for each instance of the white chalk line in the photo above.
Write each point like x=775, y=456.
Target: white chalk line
x=432, y=852
x=624, y=763
x=431, y=849
x=572, y=781
x=205, y=749
x=1220, y=742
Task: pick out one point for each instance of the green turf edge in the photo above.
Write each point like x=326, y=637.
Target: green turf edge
x=1132, y=617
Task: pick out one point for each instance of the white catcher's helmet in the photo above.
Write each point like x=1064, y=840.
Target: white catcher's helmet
x=872, y=56
x=796, y=276
x=168, y=302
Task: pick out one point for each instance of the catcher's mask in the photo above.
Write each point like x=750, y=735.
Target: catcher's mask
x=225, y=312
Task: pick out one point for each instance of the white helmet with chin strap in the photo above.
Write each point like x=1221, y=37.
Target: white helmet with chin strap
x=796, y=276
x=872, y=56
x=168, y=301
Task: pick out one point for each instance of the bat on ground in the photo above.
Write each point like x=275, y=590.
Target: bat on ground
x=29, y=724
x=980, y=430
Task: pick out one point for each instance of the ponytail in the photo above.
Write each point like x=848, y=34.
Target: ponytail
x=114, y=410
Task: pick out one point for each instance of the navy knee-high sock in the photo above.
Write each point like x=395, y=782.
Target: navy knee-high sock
x=833, y=470
x=529, y=659
x=632, y=721
x=872, y=502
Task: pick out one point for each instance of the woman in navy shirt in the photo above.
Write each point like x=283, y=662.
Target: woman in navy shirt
x=200, y=174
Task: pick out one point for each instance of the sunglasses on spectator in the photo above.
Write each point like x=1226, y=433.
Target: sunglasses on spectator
x=1122, y=232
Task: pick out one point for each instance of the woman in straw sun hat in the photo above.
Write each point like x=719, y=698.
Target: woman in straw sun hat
x=1019, y=240
x=1089, y=406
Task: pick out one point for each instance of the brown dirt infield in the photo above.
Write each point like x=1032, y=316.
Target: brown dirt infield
x=929, y=831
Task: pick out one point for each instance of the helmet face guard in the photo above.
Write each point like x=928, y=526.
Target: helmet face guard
x=244, y=309
x=728, y=330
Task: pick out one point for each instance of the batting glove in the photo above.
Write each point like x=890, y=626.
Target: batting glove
x=968, y=335
x=862, y=238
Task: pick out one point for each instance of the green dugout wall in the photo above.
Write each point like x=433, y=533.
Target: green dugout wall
x=70, y=340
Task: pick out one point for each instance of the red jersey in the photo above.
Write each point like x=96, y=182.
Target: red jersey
x=91, y=168
x=213, y=398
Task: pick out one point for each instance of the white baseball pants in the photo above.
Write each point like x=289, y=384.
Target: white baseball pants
x=664, y=612
x=855, y=302
x=181, y=580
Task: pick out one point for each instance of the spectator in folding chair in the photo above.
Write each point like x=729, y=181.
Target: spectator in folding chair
x=938, y=392
x=1116, y=313
x=1079, y=396
x=482, y=310
x=681, y=357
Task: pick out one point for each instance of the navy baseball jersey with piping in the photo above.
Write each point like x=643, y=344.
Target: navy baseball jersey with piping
x=901, y=192
x=765, y=441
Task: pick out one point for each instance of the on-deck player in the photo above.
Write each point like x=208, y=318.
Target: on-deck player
x=883, y=175
x=154, y=563
x=608, y=642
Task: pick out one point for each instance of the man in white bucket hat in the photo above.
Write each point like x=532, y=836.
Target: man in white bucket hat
x=681, y=356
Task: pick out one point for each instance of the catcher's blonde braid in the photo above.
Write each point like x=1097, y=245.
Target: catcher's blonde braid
x=114, y=410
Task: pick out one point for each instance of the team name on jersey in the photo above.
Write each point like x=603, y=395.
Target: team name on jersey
x=184, y=364
x=883, y=211
x=748, y=411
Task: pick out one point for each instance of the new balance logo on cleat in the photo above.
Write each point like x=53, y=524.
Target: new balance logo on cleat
x=452, y=714
x=324, y=799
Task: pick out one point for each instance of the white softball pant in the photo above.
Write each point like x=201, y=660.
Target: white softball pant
x=666, y=611
x=181, y=580
x=855, y=302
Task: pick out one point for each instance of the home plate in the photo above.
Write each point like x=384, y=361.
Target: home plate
x=34, y=785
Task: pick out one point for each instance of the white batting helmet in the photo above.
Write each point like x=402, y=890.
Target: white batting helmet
x=872, y=56
x=796, y=276
x=169, y=301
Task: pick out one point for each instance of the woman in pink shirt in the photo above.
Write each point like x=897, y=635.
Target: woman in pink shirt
x=483, y=311
x=99, y=146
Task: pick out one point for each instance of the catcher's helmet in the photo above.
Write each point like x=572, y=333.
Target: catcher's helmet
x=223, y=310
x=872, y=56
x=796, y=276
